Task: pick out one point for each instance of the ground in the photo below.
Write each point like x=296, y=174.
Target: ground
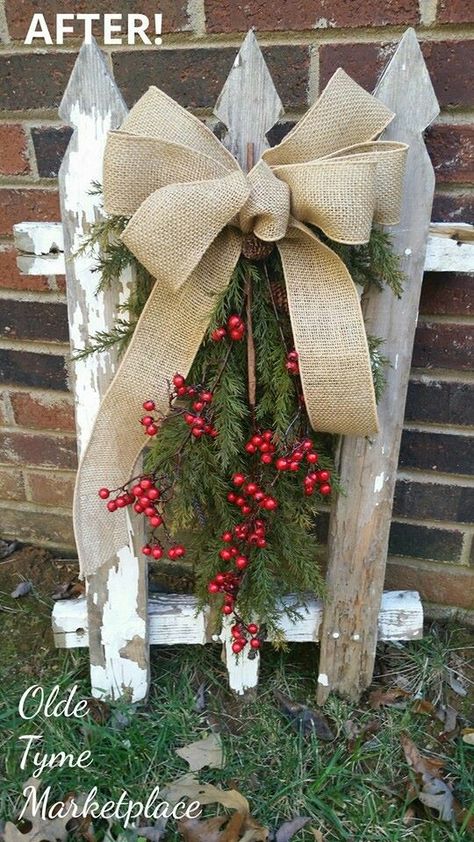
x=358, y=786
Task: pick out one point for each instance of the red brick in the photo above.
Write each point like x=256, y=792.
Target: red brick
x=34, y=320
x=229, y=16
x=443, y=346
x=440, y=402
x=13, y=150
x=35, y=527
x=47, y=411
x=50, y=488
x=28, y=205
x=19, y=14
x=448, y=453
x=451, y=68
x=363, y=62
x=10, y=277
x=445, y=293
x=451, y=150
x=11, y=485
x=428, y=542
x=194, y=77
x=43, y=371
x=455, y=11
x=433, y=501
x=450, y=63
x=453, y=208
x=438, y=583
x=38, y=450
x=50, y=143
x=34, y=80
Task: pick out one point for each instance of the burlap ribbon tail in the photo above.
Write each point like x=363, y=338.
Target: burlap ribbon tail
x=190, y=205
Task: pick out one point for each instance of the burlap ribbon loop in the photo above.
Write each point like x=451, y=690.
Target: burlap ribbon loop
x=190, y=205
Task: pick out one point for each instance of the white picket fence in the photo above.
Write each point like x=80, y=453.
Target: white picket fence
x=117, y=621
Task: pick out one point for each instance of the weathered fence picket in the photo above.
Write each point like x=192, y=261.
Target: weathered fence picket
x=115, y=619
x=360, y=520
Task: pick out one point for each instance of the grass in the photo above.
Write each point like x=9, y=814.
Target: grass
x=352, y=792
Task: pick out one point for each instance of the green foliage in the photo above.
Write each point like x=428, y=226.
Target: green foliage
x=198, y=472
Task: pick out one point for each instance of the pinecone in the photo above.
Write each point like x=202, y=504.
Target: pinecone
x=255, y=249
x=279, y=296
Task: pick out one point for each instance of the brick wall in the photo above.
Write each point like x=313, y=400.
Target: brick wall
x=304, y=42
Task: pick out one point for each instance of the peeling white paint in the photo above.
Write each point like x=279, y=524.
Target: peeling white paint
x=356, y=637
x=335, y=635
x=379, y=483
x=323, y=679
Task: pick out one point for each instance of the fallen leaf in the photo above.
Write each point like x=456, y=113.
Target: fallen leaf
x=206, y=752
x=69, y=590
x=238, y=828
x=40, y=830
x=436, y=794
x=98, y=710
x=22, y=589
x=355, y=732
x=208, y=830
x=289, y=829
x=304, y=719
x=468, y=736
x=419, y=762
x=153, y=833
x=317, y=834
x=423, y=706
x=456, y=684
x=7, y=548
x=189, y=787
x=387, y=698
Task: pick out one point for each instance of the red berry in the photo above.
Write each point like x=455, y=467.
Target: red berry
x=104, y=493
x=150, y=511
x=252, y=628
x=294, y=466
x=227, y=609
x=251, y=488
x=238, y=479
x=206, y=397
x=145, y=483
x=178, y=380
x=266, y=458
x=220, y=578
x=312, y=458
x=197, y=432
x=179, y=550
x=147, y=420
x=225, y=555
x=259, y=496
x=156, y=521
x=270, y=504
x=261, y=543
x=151, y=430
x=226, y=537
x=241, y=562
x=255, y=643
x=218, y=334
x=213, y=587
x=121, y=501
x=281, y=464
x=323, y=476
x=157, y=552
x=234, y=321
x=154, y=494
x=111, y=505
x=268, y=435
x=138, y=508
x=231, y=497
x=235, y=631
x=137, y=490
x=236, y=335
x=237, y=647
x=146, y=550
x=246, y=510
x=325, y=489
x=250, y=448
x=198, y=406
x=181, y=391
x=149, y=406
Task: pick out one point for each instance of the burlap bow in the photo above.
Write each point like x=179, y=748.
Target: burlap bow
x=190, y=205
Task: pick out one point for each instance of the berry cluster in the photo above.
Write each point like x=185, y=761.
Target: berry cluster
x=243, y=635
x=198, y=415
x=317, y=477
x=235, y=330
x=301, y=452
x=149, y=421
x=292, y=362
x=250, y=489
x=262, y=443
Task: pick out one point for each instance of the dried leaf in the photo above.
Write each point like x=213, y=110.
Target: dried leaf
x=41, y=830
x=22, y=589
x=317, y=834
x=289, y=829
x=209, y=830
x=356, y=733
x=304, y=719
x=468, y=736
x=238, y=828
x=98, y=710
x=153, y=834
x=420, y=763
x=456, y=684
x=70, y=590
x=436, y=794
x=206, y=752
x=387, y=698
x=189, y=787
x=7, y=548
x=425, y=707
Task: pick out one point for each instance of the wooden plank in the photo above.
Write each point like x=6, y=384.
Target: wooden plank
x=117, y=593
x=249, y=106
x=174, y=619
x=450, y=248
x=360, y=520
x=40, y=247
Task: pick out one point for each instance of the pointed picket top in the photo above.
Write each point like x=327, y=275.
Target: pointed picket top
x=406, y=88
x=248, y=104
x=91, y=89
